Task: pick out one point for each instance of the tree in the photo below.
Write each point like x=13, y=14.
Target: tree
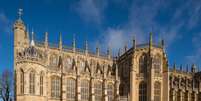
x=6, y=85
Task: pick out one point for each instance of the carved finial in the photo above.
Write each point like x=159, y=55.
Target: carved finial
x=32, y=38
x=125, y=47
x=119, y=52
x=60, y=41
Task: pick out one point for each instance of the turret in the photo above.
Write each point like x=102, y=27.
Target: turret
x=20, y=35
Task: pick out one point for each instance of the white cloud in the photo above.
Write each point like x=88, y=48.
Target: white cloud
x=90, y=10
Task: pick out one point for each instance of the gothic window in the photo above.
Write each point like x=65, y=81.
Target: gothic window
x=110, y=92
x=53, y=60
x=157, y=65
x=157, y=91
x=98, y=91
x=41, y=84
x=68, y=63
x=193, y=96
x=32, y=82
x=142, y=91
x=55, y=87
x=71, y=89
x=84, y=90
x=21, y=81
x=143, y=64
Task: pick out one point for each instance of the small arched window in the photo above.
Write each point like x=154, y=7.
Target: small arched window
x=157, y=91
x=98, y=91
x=71, y=89
x=55, y=87
x=32, y=82
x=143, y=91
x=143, y=64
x=84, y=90
x=110, y=92
x=21, y=81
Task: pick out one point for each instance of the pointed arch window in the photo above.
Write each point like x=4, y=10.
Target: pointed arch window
x=157, y=65
x=21, y=81
x=98, y=91
x=41, y=84
x=32, y=82
x=157, y=91
x=143, y=64
x=143, y=91
x=110, y=92
x=55, y=87
x=84, y=90
x=71, y=89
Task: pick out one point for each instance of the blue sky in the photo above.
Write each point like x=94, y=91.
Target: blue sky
x=109, y=23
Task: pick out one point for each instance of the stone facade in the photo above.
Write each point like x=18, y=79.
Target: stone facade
x=48, y=72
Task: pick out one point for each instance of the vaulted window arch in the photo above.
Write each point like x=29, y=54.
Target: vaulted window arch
x=21, y=81
x=32, y=82
x=85, y=90
x=142, y=91
x=55, y=87
x=71, y=89
x=157, y=91
x=98, y=91
x=110, y=92
x=143, y=64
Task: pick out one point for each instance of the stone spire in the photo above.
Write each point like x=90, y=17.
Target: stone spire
x=74, y=44
x=125, y=48
x=86, y=47
x=60, y=41
x=32, y=38
x=46, y=39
